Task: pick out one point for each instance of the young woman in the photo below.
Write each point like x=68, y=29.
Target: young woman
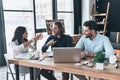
x=20, y=45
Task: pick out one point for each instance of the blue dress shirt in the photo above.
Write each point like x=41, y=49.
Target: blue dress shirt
x=99, y=43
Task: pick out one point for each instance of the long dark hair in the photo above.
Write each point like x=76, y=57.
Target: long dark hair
x=20, y=30
x=61, y=28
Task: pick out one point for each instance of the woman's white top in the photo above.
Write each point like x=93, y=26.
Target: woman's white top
x=20, y=49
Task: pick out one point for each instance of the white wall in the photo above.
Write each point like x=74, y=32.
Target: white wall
x=86, y=10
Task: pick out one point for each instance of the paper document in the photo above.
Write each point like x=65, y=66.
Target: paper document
x=24, y=55
x=29, y=55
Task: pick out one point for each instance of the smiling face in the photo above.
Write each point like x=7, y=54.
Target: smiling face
x=87, y=32
x=24, y=35
x=90, y=29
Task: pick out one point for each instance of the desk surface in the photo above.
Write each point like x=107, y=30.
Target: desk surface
x=109, y=71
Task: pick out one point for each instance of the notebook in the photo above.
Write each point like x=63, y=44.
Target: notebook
x=66, y=54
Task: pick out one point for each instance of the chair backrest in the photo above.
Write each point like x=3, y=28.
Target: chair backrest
x=6, y=58
x=76, y=38
x=10, y=67
x=115, y=37
x=9, y=70
x=49, y=25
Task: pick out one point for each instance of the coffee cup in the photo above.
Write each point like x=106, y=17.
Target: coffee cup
x=112, y=59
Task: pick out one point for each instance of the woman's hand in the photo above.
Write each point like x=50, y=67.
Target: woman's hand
x=39, y=36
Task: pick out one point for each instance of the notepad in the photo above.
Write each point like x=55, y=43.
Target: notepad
x=25, y=55
x=29, y=55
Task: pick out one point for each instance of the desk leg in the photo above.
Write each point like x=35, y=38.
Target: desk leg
x=17, y=71
x=71, y=76
x=38, y=76
x=31, y=74
x=51, y=73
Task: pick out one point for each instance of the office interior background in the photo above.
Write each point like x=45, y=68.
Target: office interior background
x=33, y=13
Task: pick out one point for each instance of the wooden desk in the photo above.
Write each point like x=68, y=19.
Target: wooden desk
x=109, y=71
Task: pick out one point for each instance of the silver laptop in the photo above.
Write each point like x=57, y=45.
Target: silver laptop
x=66, y=54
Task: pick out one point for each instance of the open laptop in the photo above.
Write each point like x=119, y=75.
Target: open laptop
x=66, y=54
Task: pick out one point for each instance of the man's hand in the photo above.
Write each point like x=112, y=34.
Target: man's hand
x=51, y=42
x=85, y=54
x=90, y=54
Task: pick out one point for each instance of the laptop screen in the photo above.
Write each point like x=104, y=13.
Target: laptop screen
x=66, y=54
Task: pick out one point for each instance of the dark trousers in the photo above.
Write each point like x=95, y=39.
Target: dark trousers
x=47, y=74
x=65, y=76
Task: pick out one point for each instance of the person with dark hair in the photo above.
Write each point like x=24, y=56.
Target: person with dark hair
x=58, y=39
x=20, y=44
x=91, y=25
x=92, y=42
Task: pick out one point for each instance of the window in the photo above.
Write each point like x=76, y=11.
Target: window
x=65, y=11
x=18, y=4
x=43, y=12
x=18, y=14
x=68, y=21
x=65, y=5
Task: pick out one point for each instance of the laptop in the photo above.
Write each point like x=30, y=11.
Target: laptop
x=66, y=54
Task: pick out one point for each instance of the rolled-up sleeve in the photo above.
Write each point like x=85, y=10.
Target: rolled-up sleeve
x=108, y=47
x=16, y=47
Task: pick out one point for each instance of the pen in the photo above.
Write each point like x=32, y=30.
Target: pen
x=32, y=57
x=42, y=58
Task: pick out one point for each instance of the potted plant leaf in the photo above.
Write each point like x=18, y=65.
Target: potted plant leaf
x=99, y=59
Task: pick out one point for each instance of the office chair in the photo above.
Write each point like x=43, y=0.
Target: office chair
x=9, y=69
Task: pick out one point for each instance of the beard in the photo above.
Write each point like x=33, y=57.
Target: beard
x=88, y=36
x=56, y=34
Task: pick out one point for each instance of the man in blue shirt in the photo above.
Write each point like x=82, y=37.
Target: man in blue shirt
x=92, y=42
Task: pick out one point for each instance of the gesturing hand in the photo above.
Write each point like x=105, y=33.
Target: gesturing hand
x=39, y=36
x=51, y=42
